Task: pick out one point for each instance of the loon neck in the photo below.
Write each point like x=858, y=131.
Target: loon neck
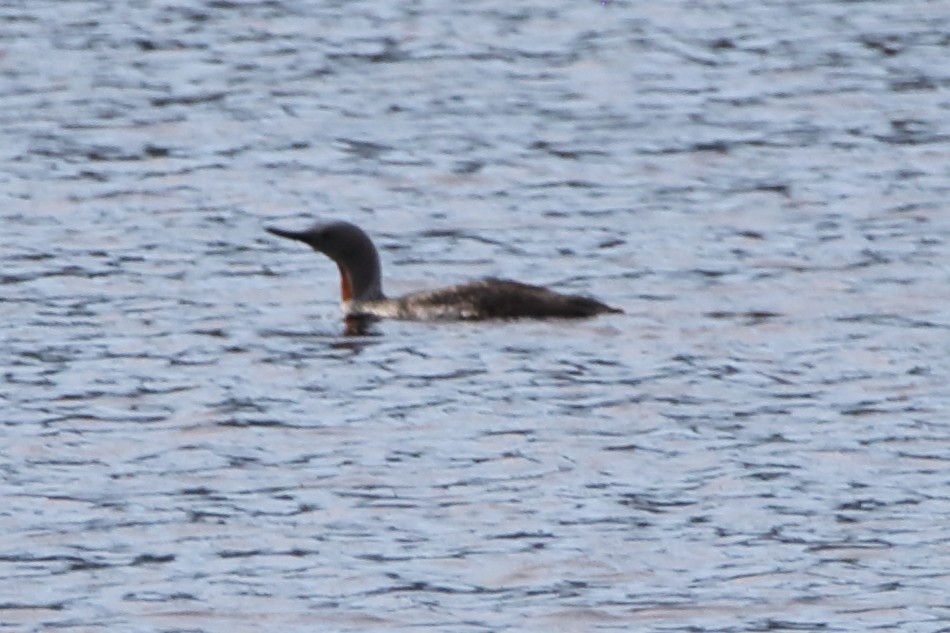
x=346, y=288
x=360, y=276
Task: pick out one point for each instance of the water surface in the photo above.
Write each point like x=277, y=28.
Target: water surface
x=759, y=443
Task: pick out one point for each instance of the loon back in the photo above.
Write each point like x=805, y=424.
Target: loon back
x=493, y=298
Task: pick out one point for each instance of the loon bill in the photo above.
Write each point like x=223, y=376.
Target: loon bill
x=362, y=289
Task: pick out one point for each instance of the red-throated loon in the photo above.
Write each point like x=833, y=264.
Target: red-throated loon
x=362, y=289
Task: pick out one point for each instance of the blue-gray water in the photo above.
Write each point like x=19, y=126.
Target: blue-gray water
x=760, y=443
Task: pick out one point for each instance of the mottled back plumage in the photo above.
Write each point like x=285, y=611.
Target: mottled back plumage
x=493, y=298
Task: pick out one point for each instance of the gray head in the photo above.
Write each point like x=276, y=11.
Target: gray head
x=353, y=252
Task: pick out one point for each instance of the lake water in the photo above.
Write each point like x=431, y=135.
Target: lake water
x=761, y=442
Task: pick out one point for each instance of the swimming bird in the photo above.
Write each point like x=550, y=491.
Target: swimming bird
x=361, y=286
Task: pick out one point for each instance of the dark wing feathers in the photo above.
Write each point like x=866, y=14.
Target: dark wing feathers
x=505, y=299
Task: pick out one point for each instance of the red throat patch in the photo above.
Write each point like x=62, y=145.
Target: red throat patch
x=346, y=290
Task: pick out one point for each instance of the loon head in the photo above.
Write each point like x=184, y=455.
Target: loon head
x=351, y=249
